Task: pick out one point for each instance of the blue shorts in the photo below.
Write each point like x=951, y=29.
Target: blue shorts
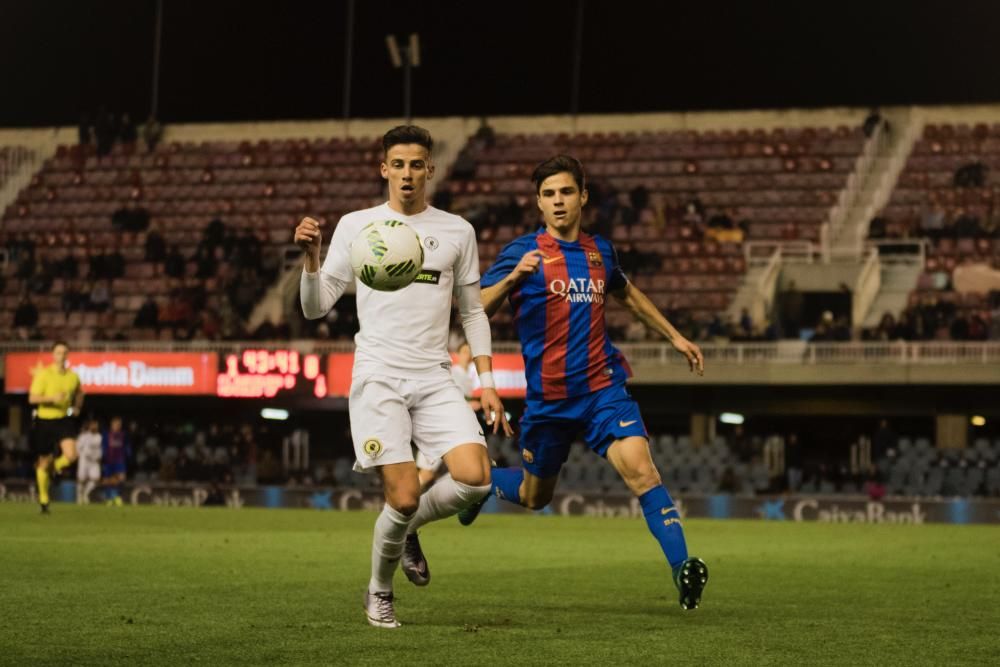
x=112, y=469
x=548, y=428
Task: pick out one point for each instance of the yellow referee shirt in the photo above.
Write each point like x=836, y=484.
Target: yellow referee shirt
x=49, y=382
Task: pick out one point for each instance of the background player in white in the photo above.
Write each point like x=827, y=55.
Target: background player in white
x=88, y=462
x=401, y=389
x=427, y=469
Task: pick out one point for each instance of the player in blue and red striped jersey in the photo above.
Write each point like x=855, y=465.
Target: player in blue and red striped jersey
x=557, y=280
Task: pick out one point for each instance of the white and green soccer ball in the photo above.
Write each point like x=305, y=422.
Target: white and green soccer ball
x=387, y=255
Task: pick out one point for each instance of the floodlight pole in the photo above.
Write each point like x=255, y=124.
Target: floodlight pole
x=405, y=58
x=574, y=100
x=407, y=85
x=348, y=57
x=157, y=39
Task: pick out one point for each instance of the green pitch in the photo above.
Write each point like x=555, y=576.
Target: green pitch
x=170, y=586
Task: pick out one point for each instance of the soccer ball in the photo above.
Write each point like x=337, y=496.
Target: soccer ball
x=387, y=255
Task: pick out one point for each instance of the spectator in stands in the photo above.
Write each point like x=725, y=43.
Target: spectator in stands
x=971, y=175
x=639, y=198
x=932, y=221
x=872, y=121
x=464, y=168
x=877, y=228
x=100, y=296
x=886, y=330
x=152, y=132
x=73, y=297
x=206, y=260
x=156, y=245
x=746, y=323
x=823, y=331
x=126, y=219
x=174, y=265
x=114, y=264
x=127, y=131
x=966, y=225
x=148, y=315
x=67, y=267
x=26, y=315
x=485, y=136
x=41, y=281
x=791, y=310
x=97, y=264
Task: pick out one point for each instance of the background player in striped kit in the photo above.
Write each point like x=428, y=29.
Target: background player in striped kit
x=557, y=280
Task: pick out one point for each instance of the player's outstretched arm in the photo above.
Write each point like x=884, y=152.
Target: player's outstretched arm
x=317, y=291
x=646, y=312
x=494, y=295
x=477, y=333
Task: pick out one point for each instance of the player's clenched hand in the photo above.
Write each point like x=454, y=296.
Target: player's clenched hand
x=692, y=353
x=529, y=264
x=494, y=412
x=308, y=235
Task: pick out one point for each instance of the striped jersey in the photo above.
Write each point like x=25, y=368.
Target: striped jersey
x=559, y=314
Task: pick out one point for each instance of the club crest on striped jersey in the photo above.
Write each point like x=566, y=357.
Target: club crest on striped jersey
x=578, y=290
x=595, y=259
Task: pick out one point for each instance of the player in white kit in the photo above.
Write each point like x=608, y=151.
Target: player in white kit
x=88, y=463
x=401, y=389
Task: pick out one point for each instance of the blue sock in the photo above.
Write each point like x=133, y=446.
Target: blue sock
x=665, y=524
x=507, y=484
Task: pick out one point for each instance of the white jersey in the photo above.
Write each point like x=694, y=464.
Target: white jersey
x=405, y=333
x=88, y=447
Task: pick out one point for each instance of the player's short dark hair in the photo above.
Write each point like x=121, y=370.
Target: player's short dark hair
x=60, y=342
x=557, y=165
x=407, y=134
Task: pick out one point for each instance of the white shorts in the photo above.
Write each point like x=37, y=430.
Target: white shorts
x=85, y=471
x=388, y=413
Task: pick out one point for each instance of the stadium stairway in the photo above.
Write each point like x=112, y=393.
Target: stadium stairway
x=872, y=183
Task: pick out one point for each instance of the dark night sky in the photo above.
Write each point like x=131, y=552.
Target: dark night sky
x=229, y=60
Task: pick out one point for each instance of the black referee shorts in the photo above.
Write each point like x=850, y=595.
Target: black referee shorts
x=46, y=434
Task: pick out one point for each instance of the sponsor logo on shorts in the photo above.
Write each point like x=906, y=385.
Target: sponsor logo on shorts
x=428, y=277
x=626, y=424
x=528, y=455
x=372, y=447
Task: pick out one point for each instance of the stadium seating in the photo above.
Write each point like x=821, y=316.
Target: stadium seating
x=776, y=185
x=958, y=215
x=261, y=188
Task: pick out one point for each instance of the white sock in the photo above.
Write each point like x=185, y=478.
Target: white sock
x=387, y=547
x=445, y=498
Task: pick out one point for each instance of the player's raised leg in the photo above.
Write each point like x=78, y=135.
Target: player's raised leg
x=631, y=458
x=467, y=481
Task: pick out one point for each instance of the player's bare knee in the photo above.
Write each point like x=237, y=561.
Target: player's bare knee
x=406, y=505
x=473, y=477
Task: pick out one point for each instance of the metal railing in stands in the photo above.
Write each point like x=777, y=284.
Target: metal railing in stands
x=740, y=354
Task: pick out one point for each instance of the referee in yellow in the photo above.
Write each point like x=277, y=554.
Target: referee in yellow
x=58, y=397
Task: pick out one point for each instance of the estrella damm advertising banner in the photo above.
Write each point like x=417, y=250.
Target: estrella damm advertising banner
x=508, y=373
x=145, y=373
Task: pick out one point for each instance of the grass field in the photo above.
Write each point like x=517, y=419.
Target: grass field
x=147, y=585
